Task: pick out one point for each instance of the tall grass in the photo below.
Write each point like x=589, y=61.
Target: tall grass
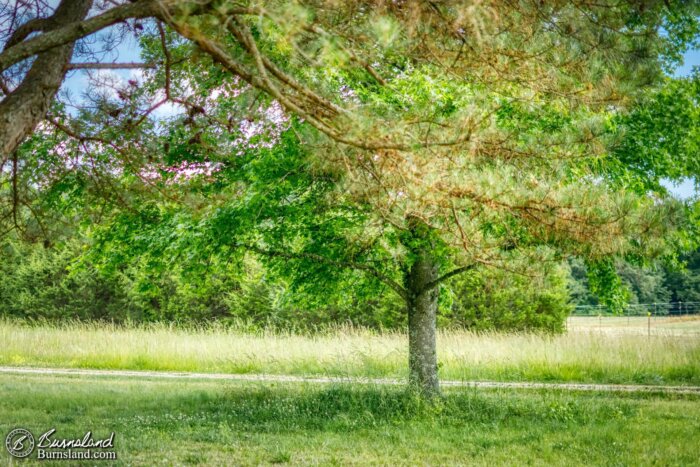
x=345, y=351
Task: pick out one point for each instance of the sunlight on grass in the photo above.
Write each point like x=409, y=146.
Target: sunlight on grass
x=576, y=356
x=216, y=423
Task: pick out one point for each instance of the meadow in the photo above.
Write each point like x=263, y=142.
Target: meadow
x=196, y=422
x=587, y=353
x=193, y=421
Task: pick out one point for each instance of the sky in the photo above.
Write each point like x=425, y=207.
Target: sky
x=692, y=58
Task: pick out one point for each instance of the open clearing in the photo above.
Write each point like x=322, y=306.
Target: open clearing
x=171, y=422
x=581, y=356
x=639, y=325
x=307, y=408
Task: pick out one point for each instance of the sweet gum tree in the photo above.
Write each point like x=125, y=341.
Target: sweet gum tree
x=481, y=132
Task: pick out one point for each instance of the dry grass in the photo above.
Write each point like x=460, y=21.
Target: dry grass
x=654, y=325
x=586, y=356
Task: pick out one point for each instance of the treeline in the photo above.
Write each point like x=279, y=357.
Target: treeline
x=644, y=285
x=60, y=283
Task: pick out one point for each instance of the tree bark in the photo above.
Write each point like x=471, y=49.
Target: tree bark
x=422, y=302
x=27, y=105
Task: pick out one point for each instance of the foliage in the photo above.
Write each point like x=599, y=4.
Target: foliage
x=604, y=282
x=641, y=284
x=37, y=283
x=62, y=283
x=441, y=98
x=684, y=285
x=659, y=139
x=314, y=152
x=494, y=300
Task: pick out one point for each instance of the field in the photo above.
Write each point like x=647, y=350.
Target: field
x=214, y=423
x=587, y=353
x=190, y=421
x=639, y=325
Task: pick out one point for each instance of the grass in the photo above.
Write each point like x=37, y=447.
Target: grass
x=656, y=325
x=195, y=422
x=581, y=356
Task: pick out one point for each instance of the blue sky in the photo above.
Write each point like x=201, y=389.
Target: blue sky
x=692, y=58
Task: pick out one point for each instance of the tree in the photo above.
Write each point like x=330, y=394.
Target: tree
x=684, y=285
x=480, y=129
x=658, y=140
x=23, y=107
x=639, y=284
x=659, y=136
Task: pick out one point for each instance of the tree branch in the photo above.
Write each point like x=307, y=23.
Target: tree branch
x=168, y=58
x=3, y=87
x=249, y=42
x=23, y=108
x=260, y=80
x=108, y=66
x=74, y=31
x=15, y=189
x=21, y=33
x=444, y=277
x=395, y=286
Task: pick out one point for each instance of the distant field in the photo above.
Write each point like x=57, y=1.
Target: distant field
x=586, y=354
x=216, y=423
x=656, y=325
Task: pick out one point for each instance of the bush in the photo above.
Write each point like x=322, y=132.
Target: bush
x=36, y=282
x=496, y=300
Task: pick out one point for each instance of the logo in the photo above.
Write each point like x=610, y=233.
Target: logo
x=19, y=443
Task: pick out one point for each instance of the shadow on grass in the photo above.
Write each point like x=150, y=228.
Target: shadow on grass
x=342, y=408
x=218, y=423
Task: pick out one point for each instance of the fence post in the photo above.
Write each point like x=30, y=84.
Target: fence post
x=648, y=324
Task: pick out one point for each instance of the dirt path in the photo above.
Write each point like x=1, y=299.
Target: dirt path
x=338, y=379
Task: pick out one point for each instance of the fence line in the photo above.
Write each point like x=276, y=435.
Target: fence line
x=642, y=309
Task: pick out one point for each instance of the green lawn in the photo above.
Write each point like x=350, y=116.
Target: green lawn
x=579, y=356
x=185, y=423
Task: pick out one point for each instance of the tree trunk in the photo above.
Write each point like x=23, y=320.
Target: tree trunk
x=422, y=311
x=27, y=105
